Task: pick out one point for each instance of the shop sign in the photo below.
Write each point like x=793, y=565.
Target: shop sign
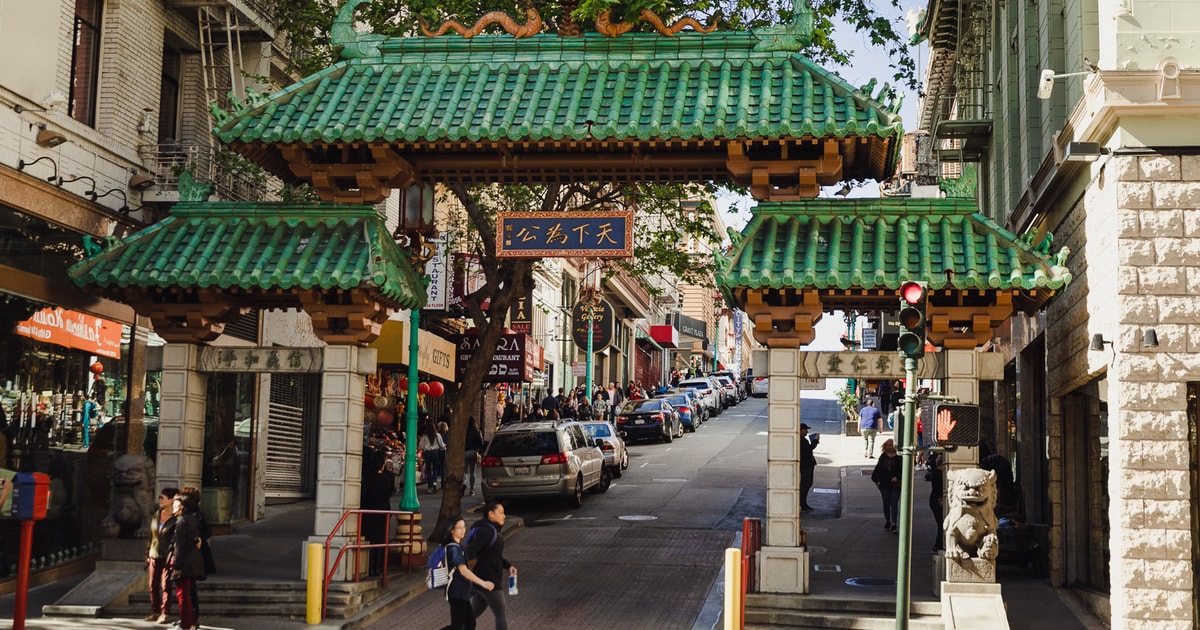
x=72, y=329
x=435, y=356
x=593, y=233
x=514, y=360
x=260, y=359
x=468, y=278
x=437, y=293
x=691, y=327
x=602, y=326
x=520, y=314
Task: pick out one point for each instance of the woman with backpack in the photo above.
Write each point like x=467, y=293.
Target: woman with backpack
x=458, y=591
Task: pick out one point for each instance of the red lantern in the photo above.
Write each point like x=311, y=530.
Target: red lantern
x=436, y=389
x=369, y=402
x=403, y=383
x=97, y=368
x=422, y=388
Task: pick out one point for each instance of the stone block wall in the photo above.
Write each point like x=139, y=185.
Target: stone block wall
x=1139, y=235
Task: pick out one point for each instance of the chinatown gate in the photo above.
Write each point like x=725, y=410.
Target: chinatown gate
x=677, y=103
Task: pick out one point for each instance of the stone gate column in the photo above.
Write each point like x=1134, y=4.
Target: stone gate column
x=784, y=560
x=181, y=417
x=339, y=448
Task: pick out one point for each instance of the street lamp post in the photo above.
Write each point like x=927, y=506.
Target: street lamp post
x=416, y=222
x=590, y=306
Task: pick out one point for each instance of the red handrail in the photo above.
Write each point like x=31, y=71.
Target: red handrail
x=327, y=572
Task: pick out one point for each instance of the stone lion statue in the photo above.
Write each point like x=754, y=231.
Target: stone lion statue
x=971, y=519
x=132, y=498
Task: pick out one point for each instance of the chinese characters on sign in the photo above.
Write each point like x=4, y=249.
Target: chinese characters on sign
x=873, y=365
x=270, y=359
x=595, y=234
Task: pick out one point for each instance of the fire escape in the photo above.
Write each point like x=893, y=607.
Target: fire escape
x=958, y=108
x=223, y=27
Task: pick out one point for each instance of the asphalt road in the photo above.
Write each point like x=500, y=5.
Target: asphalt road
x=643, y=555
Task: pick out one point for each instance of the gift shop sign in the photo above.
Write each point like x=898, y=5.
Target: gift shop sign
x=71, y=329
x=514, y=361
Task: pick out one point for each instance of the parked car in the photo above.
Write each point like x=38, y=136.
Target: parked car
x=649, y=418
x=730, y=389
x=758, y=387
x=708, y=392
x=739, y=386
x=546, y=458
x=684, y=407
x=616, y=456
x=695, y=401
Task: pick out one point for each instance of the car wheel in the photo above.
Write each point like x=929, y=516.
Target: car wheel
x=624, y=459
x=577, y=498
x=616, y=471
x=681, y=431
x=606, y=477
x=692, y=428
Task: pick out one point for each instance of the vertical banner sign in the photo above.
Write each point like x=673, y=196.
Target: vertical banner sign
x=737, y=341
x=437, y=294
x=520, y=315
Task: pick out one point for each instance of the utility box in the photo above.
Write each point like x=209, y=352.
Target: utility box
x=31, y=495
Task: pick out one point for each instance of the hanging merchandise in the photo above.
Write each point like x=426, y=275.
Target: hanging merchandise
x=436, y=389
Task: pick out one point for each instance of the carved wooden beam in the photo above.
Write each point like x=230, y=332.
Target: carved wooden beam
x=179, y=319
x=786, y=316
x=352, y=317
x=353, y=180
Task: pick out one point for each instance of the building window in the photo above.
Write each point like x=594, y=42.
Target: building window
x=85, y=60
x=168, y=96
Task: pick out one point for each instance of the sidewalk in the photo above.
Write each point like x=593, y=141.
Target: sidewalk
x=847, y=539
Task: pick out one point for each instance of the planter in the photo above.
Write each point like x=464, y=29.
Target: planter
x=852, y=427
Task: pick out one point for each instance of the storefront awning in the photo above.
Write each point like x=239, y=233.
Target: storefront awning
x=665, y=336
x=645, y=338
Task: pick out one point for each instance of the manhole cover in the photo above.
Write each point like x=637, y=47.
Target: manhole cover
x=637, y=517
x=870, y=581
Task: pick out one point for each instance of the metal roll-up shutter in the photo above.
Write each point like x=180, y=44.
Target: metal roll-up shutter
x=291, y=441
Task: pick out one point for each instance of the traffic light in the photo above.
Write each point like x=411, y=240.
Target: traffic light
x=954, y=424
x=913, y=297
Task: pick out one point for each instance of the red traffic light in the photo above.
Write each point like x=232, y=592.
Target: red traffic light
x=912, y=292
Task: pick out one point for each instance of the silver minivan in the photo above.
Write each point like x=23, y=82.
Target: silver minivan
x=548, y=458
x=708, y=392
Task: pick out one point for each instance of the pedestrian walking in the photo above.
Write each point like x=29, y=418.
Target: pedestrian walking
x=186, y=561
x=378, y=486
x=431, y=446
x=473, y=454
x=887, y=478
x=808, y=465
x=487, y=548
x=162, y=534
x=868, y=423
x=463, y=581
x=937, y=487
x=192, y=494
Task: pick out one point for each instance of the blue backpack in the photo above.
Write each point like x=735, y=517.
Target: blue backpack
x=437, y=574
x=471, y=536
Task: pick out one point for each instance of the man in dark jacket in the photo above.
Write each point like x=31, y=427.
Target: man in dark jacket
x=487, y=547
x=808, y=466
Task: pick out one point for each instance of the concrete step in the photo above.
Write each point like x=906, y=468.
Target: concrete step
x=266, y=599
x=806, y=611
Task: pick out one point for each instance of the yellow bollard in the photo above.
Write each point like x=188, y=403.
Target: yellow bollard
x=316, y=583
x=733, y=588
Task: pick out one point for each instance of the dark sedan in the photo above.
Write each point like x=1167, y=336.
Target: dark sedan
x=683, y=406
x=649, y=419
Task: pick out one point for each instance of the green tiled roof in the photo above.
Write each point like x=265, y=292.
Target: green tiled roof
x=636, y=87
x=879, y=243
x=259, y=248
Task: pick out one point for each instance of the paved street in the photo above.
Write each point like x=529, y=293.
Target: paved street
x=647, y=553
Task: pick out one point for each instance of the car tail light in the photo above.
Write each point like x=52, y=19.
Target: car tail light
x=686, y=409
x=554, y=458
x=605, y=446
x=622, y=419
x=660, y=417
x=491, y=462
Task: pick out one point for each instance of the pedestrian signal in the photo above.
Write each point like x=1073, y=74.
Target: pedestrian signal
x=955, y=425
x=913, y=299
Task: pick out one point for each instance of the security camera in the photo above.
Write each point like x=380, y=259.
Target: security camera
x=1045, y=84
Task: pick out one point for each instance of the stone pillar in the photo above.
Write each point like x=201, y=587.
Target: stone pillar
x=181, y=417
x=784, y=561
x=339, y=450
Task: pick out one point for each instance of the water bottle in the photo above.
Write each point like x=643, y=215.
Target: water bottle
x=512, y=585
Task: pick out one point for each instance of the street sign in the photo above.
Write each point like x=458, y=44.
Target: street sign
x=812, y=383
x=592, y=234
x=870, y=339
x=955, y=425
x=579, y=369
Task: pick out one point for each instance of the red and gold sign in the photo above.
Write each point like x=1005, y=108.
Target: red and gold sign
x=71, y=329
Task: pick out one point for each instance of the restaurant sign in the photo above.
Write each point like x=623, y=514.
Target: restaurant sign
x=514, y=361
x=592, y=233
x=71, y=329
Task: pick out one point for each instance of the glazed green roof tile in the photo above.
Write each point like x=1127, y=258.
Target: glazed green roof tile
x=499, y=88
x=259, y=247
x=880, y=243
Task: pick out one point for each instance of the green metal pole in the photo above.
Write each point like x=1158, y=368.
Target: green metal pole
x=591, y=320
x=907, y=441
x=408, y=501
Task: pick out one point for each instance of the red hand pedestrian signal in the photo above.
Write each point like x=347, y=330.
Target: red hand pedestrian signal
x=945, y=424
x=956, y=425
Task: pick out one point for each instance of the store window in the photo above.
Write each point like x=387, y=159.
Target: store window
x=63, y=386
x=85, y=60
